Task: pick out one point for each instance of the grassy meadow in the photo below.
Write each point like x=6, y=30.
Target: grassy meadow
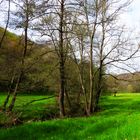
x=32, y=111
x=118, y=119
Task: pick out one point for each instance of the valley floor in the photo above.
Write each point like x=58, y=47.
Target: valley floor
x=119, y=119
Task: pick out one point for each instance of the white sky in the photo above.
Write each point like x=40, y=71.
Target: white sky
x=131, y=18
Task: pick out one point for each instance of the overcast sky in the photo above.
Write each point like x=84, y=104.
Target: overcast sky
x=131, y=18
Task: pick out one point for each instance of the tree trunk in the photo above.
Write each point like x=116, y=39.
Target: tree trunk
x=98, y=94
x=84, y=93
x=23, y=56
x=62, y=90
x=9, y=93
x=99, y=89
x=67, y=98
x=11, y=106
x=91, y=37
x=62, y=61
x=91, y=80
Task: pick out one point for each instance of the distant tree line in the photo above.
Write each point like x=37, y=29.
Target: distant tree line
x=127, y=82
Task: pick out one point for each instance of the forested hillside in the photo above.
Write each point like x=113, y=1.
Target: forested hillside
x=125, y=82
x=11, y=54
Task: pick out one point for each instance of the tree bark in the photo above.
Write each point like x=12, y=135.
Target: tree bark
x=100, y=77
x=62, y=89
x=91, y=37
x=11, y=106
x=67, y=97
x=62, y=61
x=9, y=93
x=91, y=80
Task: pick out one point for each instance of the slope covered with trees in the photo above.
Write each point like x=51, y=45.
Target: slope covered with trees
x=125, y=82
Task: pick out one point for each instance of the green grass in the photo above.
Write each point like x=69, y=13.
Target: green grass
x=119, y=119
x=34, y=111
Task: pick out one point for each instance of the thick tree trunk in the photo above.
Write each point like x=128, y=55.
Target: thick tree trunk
x=62, y=90
x=62, y=61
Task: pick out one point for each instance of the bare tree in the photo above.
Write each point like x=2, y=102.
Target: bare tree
x=55, y=21
x=113, y=45
x=100, y=17
x=21, y=72
x=25, y=15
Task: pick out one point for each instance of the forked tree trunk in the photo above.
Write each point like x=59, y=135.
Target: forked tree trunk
x=84, y=93
x=9, y=93
x=11, y=106
x=80, y=72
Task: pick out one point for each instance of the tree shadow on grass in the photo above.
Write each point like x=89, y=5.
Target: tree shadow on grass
x=61, y=129
x=119, y=106
x=111, y=117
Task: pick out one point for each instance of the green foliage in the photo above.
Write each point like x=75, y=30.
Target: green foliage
x=118, y=119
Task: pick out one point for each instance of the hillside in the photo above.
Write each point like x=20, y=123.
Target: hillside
x=125, y=82
x=130, y=77
x=10, y=39
x=36, y=77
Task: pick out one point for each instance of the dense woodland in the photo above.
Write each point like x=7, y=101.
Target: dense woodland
x=66, y=50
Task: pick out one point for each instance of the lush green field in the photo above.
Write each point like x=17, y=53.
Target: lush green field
x=119, y=119
x=35, y=110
